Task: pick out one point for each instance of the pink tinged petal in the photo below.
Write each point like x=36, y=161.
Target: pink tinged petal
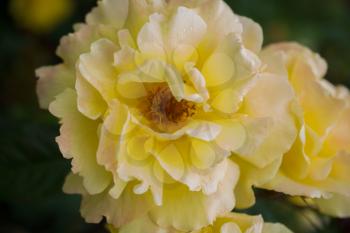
x=186, y=28
x=117, y=212
x=109, y=12
x=107, y=149
x=52, y=81
x=90, y=102
x=97, y=68
x=77, y=130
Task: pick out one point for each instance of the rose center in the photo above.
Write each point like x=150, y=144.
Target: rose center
x=164, y=112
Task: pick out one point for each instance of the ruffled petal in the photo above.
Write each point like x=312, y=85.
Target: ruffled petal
x=77, y=130
x=180, y=205
x=96, y=67
x=52, y=81
x=109, y=12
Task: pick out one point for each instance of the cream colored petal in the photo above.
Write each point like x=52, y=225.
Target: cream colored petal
x=314, y=65
x=197, y=80
x=150, y=38
x=340, y=174
x=90, y=102
x=77, y=130
x=180, y=205
x=97, y=68
x=221, y=21
x=125, y=39
x=139, y=12
x=77, y=43
x=52, y=81
x=339, y=137
x=124, y=59
x=198, y=164
x=170, y=159
x=245, y=63
x=116, y=118
x=218, y=69
x=275, y=228
x=202, y=154
x=244, y=222
x=257, y=131
x=232, y=136
x=107, y=150
x=229, y=99
x=135, y=163
x=230, y=227
x=295, y=162
x=320, y=168
x=143, y=225
x=282, y=183
x=252, y=34
x=271, y=98
x=109, y=12
x=186, y=28
x=316, y=101
x=184, y=54
x=337, y=206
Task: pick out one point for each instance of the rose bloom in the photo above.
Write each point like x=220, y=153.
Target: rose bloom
x=318, y=163
x=160, y=103
x=228, y=223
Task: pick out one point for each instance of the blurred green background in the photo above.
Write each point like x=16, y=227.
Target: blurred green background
x=31, y=167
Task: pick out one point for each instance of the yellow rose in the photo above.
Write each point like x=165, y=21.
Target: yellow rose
x=228, y=223
x=318, y=163
x=40, y=15
x=154, y=97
